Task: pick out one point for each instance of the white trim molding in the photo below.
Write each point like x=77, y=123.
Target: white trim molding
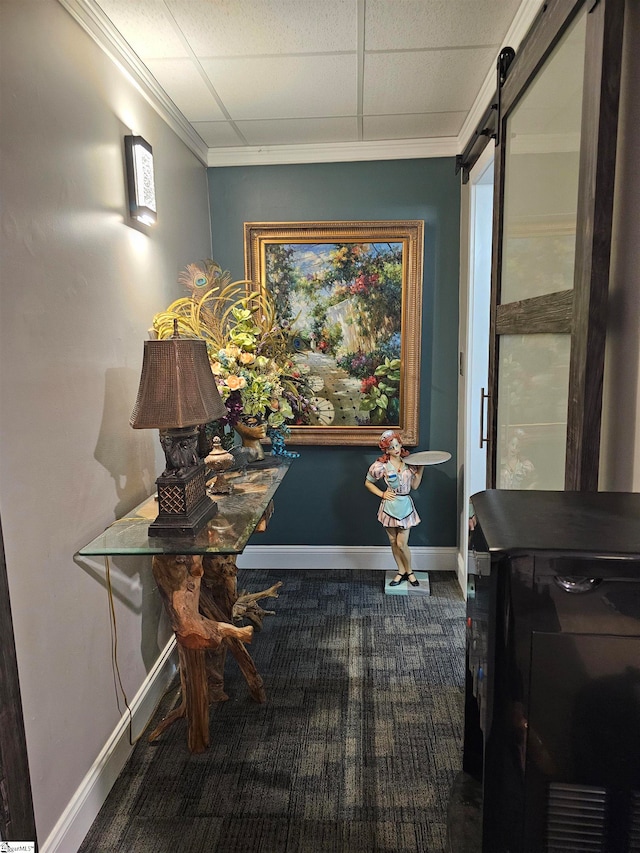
x=334, y=152
x=343, y=558
x=93, y=20
x=82, y=810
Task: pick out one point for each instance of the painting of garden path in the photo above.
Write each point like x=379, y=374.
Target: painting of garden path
x=341, y=304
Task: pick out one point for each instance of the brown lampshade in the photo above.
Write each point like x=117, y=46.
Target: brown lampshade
x=177, y=387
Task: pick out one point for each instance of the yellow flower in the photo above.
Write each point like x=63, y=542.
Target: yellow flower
x=235, y=382
x=232, y=351
x=246, y=358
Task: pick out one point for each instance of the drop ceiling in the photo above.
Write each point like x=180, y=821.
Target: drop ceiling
x=297, y=80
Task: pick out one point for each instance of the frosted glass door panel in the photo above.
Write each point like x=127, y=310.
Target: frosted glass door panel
x=532, y=411
x=541, y=176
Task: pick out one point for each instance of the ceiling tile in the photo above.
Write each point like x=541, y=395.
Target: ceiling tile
x=146, y=26
x=217, y=134
x=182, y=82
x=415, y=126
x=412, y=24
x=426, y=81
x=250, y=28
x=285, y=87
x=299, y=131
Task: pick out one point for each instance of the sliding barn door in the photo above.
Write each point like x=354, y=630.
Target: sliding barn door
x=555, y=165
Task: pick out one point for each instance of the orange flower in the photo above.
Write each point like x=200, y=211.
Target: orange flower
x=235, y=382
x=246, y=357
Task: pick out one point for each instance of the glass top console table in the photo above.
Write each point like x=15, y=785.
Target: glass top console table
x=239, y=513
x=196, y=578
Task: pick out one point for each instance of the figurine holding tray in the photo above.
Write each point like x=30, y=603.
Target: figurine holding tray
x=396, y=513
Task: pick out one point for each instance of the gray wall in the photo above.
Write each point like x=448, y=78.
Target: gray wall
x=322, y=501
x=79, y=290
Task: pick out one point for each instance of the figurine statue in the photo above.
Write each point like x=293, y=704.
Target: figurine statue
x=252, y=431
x=396, y=513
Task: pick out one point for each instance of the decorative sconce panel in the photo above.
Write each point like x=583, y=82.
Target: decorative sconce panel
x=140, y=179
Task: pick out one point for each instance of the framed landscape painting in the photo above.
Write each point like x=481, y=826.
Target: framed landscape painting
x=348, y=296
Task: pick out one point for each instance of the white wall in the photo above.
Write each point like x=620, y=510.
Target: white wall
x=79, y=290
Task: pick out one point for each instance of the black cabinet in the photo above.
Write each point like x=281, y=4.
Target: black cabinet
x=552, y=705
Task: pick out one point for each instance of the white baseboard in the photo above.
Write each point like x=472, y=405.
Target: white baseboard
x=342, y=558
x=74, y=823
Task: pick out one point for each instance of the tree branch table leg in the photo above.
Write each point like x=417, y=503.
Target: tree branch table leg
x=199, y=595
x=219, y=595
x=196, y=700
x=179, y=579
x=181, y=710
x=248, y=669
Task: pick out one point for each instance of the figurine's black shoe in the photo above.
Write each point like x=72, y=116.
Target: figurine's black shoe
x=415, y=581
x=402, y=579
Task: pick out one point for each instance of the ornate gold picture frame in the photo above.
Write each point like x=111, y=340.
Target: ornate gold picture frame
x=349, y=295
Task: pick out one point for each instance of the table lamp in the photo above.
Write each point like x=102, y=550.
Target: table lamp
x=177, y=393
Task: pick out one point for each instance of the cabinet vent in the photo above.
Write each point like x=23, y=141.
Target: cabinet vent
x=576, y=816
x=634, y=823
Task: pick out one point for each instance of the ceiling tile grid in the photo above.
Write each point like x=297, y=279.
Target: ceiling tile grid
x=266, y=27
x=429, y=24
x=422, y=81
x=412, y=126
x=296, y=72
x=285, y=87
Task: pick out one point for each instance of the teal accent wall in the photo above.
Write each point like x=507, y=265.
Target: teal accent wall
x=322, y=500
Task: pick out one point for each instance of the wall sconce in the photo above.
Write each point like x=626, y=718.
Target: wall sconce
x=140, y=181
x=177, y=393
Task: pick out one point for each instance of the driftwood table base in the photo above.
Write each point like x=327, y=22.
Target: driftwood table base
x=201, y=599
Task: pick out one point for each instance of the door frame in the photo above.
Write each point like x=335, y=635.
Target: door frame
x=470, y=415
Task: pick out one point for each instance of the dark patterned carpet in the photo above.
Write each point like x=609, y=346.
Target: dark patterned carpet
x=355, y=750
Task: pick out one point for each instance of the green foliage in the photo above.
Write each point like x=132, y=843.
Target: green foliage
x=382, y=401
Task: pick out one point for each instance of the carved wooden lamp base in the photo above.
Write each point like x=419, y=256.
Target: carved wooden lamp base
x=184, y=507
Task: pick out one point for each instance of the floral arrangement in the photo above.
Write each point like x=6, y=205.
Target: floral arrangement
x=258, y=381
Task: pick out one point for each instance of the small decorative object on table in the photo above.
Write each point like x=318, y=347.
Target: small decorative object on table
x=277, y=437
x=219, y=460
x=251, y=432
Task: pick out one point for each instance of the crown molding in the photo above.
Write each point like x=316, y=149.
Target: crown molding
x=335, y=152
x=93, y=20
